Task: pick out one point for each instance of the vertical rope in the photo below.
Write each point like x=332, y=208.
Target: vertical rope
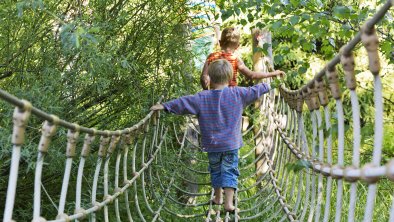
x=356, y=151
x=341, y=143
x=371, y=43
x=89, y=138
x=20, y=119
x=314, y=135
x=306, y=151
x=48, y=130
x=321, y=158
x=127, y=142
x=102, y=151
x=72, y=137
x=392, y=212
x=135, y=173
x=116, y=183
x=329, y=161
x=143, y=173
x=110, y=150
x=300, y=175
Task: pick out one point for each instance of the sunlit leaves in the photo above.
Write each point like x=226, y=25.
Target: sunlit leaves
x=294, y=19
x=341, y=12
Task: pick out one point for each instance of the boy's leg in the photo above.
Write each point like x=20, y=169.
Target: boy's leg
x=218, y=199
x=230, y=175
x=215, y=171
x=229, y=194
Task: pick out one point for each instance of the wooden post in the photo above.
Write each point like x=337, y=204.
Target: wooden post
x=263, y=63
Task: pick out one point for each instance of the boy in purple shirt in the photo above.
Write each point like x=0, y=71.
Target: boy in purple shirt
x=219, y=113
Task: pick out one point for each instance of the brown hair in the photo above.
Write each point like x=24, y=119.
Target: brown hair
x=220, y=71
x=229, y=38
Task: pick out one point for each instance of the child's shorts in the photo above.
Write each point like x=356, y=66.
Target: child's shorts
x=223, y=167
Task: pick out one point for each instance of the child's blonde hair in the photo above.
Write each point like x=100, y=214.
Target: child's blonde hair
x=220, y=71
x=229, y=38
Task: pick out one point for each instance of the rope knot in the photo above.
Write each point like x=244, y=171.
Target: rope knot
x=367, y=173
x=20, y=119
x=89, y=138
x=72, y=136
x=48, y=130
x=349, y=174
x=333, y=82
x=371, y=43
x=336, y=172
x=81, y=211
x=104, y=140
x=347, y=61
x=114, y=142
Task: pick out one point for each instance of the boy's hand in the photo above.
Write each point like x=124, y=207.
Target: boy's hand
x=157, y=107
x=279, y=73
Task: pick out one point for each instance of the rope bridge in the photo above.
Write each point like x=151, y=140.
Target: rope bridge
x=132, y=181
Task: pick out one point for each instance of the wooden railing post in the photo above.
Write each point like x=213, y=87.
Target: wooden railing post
x=263, y=63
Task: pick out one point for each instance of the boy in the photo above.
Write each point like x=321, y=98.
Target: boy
x=219, y=112
x=229, y=42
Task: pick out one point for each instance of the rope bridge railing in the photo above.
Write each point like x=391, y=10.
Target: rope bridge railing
x=110, y=141
x=142, y=174
x=324, y=174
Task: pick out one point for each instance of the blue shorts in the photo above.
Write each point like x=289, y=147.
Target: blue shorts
x=223, y=167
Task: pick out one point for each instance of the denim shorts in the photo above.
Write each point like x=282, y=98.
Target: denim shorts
x=223, y=167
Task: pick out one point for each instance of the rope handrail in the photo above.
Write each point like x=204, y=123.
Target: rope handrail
x=23, y=105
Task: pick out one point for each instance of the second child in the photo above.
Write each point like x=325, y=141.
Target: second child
x=229, y=42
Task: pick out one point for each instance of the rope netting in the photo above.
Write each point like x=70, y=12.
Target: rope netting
x=141, y=173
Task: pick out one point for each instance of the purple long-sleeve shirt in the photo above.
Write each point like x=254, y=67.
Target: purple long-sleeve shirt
x=219, y=114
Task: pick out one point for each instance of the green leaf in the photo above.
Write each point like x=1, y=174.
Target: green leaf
x=295, y=3
x=386, y=47
x=250, y=18
x=276, y=25
x=302, y=70
x=294, y=20
x=275, y=83
x=341, y=12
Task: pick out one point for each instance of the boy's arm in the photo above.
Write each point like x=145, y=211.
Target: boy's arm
x=180, y=106
x=256, y=75
x=204, y=78
x=250, y=94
